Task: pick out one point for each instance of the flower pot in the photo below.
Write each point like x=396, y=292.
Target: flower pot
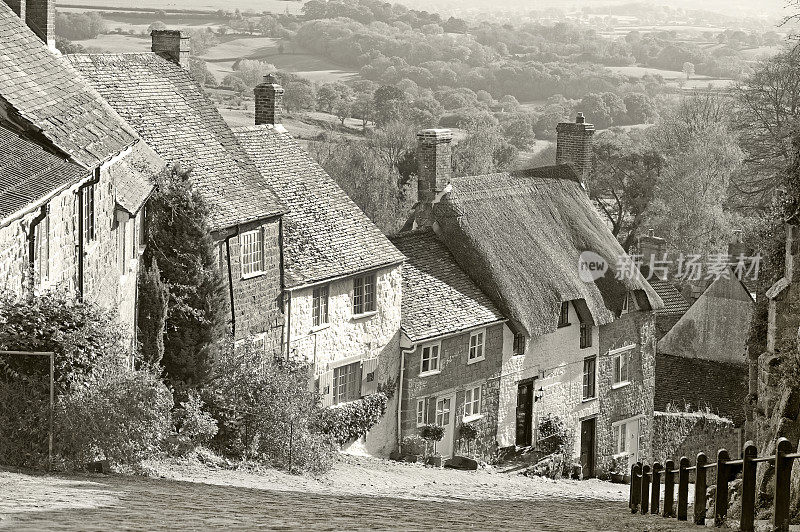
x=626, y=479
x=617, y=478
x=435, y=461
x=412, y=458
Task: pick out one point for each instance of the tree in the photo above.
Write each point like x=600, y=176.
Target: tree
x=298, y=95
x=768, y=106
x=518, y=128
x=483, y=151
x=152, y=314
x=179, y=238
x=624, y=180
x=688, y=69
x=389, y=102
x=597, y=111
x=641, y=109
x=616, y=107
x=328, y=96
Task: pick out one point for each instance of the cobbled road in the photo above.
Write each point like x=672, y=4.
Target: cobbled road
x=121, y=502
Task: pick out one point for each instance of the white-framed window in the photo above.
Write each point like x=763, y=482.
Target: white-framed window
x=472, y=401
x=252, y=252
x=622, y=360
x=429, y=362
x=626, y=304
x=364, y=294
x=422, y=412
x=42, y=246
x=628, y=436
x=142, y=223
x=87, y=212
x=260, y=342
x=319, y=306
x=477, y=341
x=589, y=378
x=347, y=383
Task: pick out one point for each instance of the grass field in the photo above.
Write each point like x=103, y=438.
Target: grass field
x=257, y=6
x=638, y=72
x=118, y=43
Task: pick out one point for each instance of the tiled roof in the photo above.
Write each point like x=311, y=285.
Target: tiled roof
x=29, y=174
x=325, y=233
x=521, y=235
x=170, y=111
x=46, y=91
x=133, y=179
x=674, y=302
x=438, y=297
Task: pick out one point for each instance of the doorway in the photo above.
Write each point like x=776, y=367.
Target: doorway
x=445, y=418
x=588, y=446
x=524, y=413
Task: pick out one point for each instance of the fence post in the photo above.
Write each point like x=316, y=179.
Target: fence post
x=783, y=472
x=747, y=523
x=683, y=489
x=721, y=500
x=700, y=490
x=669, y=489
x=645, y=502
x=636, y=490
x=655, y=499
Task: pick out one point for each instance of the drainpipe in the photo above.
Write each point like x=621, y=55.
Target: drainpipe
x=400, y=394
x=32, y=243
x=288, y=325
x=230, y=283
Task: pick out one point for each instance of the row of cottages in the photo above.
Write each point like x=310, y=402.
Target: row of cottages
x=500, y=328
x=310, y=276
x=73, y=175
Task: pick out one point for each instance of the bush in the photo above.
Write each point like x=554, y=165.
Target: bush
x=193, y=426
x=119, y=415
x=265, y=411
x=431, y=432
x=349, y=421
x=553, y=434
x=413, y=445
x=24, y=418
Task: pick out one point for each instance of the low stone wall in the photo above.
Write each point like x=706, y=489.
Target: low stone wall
x=677, y=434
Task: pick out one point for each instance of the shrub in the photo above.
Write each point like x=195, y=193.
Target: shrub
x=431, y=432
x=265, y=411
x=413, y=444
x=553, y=434
x=120, y=415
x=24, y=418
x=349, y=421
x=193, y=426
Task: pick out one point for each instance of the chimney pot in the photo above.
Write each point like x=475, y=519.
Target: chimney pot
x=581, y=119
x=268, y=101
x=172, y=46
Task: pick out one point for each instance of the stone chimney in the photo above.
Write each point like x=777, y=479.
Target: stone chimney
x=651, y=248
x=40, y=16
x=172, y=46
x=574, y=146
x=434, y=157
x=269, y=101
x=18, y=7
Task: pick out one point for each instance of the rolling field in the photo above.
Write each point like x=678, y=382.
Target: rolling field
x=257, y=6
x=118, y=43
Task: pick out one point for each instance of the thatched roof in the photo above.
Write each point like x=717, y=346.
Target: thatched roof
x=519, y=235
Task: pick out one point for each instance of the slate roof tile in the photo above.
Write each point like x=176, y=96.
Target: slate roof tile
x=170, y=111
x=438, y=297
x=29, y=174
x=46, y=91
x=326, y=235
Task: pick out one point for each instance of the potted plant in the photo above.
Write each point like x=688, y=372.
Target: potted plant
x=412, y=448
x=469, y=433
x=619, y=469
x=432, y=433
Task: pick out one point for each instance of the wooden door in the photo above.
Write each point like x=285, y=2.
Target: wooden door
x=524, y=413
x=445, y=418
x=588, y=446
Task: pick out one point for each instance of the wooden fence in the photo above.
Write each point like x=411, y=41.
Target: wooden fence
x=645, y=486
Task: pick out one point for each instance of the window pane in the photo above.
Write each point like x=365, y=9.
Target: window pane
x=369, y=293
x=624, y=368
x=358, y=295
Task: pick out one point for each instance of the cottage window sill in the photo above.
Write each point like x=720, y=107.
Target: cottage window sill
x=429, y=373
x=252, y=274
x=474, y=360
x=319, y=328
x=619, y=385
x=475, y=417
x=588, y=399
x=364, y=315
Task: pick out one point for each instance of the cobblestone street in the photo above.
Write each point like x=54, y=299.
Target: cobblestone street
x=243, y=500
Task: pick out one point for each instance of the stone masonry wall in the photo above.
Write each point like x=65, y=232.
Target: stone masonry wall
x=455, y=376
x=677, y=434
x=628, y=401
x=257, y=299
x=348, y=338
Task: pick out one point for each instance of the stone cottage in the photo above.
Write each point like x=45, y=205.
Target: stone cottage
x=73, y=175
x=454, y=344
x=156, y=95
x=583, y=341
x=341, y=274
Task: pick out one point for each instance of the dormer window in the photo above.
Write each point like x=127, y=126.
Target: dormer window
x=586, y=335
x=563, y=318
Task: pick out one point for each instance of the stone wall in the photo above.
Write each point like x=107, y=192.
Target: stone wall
x=348, y=338
x=257, y=299
x=455, y=376
x=621, y=402
x=702, y=384
x=677, y=434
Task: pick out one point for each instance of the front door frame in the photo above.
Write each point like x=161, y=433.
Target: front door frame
x=449, y=428
x=524, y=437
x=590, y=467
